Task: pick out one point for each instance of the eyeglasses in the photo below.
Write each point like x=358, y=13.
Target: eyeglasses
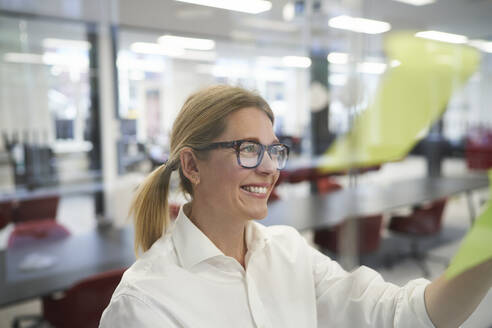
x=250, y=153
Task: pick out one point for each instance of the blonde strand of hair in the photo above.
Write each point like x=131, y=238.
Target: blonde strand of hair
x=150, y=208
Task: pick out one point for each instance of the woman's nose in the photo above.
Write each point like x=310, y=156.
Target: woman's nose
x=267, y=164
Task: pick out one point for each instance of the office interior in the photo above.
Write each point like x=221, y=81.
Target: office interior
x=89, y=91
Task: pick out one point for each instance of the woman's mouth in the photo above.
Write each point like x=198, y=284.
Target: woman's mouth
x=256, y=189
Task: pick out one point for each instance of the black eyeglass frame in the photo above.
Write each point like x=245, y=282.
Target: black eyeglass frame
x=236, y=145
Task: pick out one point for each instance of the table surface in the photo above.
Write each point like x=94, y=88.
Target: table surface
x=83, y=255
x=316, y=211
x=23, y=193
x=77, y=257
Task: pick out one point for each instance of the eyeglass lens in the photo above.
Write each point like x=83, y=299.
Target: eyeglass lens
x=250, y=153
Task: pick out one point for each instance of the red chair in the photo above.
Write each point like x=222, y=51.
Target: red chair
x=478, y=148
x=35, y=219
x=301, y=175
x=28, y=232
x=36, y=209
x=6, y=213
x=369, y=227
x=81, y=306
x=368, y=232
x=423, y=222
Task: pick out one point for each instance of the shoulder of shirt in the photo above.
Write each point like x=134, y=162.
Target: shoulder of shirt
x=278, y=232
x=284, y=238
x=155, y=263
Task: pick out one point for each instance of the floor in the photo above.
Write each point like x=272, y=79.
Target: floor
x=456, y=224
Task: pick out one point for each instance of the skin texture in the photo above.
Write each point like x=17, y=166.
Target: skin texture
x=220, y=207
x=450, y=302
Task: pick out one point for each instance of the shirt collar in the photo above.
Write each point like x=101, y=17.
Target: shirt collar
x=193, y=246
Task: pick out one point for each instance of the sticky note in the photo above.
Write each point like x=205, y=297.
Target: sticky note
x=413, y=93
x=476, y=247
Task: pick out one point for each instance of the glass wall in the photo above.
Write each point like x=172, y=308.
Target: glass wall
x=45, y=103
x=156, y=74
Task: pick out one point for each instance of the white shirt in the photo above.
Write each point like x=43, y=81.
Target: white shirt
x=184, y=280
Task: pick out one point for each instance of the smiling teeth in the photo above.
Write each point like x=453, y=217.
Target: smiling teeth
x=257, y=190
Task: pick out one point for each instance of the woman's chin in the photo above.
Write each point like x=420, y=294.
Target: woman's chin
x=258, y=214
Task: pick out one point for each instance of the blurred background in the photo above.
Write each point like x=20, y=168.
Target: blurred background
x=365, y=93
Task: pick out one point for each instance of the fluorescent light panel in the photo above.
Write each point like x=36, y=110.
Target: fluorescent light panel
x=64, y=43
x=372, y=66
x=245, y=6
x=360, y=25
x=23, y=58
x=417, y=2
x=442, y=36
x=186, y=43
x=296, y=61
x=149, y=48
x=340, y=58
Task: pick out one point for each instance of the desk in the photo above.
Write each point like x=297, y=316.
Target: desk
x=77, y=257
x=101, y=250
x=23, y=193
x=316, y=211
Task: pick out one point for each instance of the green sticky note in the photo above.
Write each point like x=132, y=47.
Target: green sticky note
x=476, y=247
x=412, y=95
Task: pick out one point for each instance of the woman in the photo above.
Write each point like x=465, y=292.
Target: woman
x=216, y=267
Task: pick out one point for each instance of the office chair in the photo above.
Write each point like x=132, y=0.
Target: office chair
x=35, y=219
x=36, y=209
x=478, y=148
x=6, y=209
x=80, y=307
x=424, y=222
x=369, y=227
x=28, y=232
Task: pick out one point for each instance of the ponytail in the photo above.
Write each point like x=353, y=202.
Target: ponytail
x=150, y=208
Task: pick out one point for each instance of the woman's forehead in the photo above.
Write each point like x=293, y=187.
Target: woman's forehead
x=250, y=123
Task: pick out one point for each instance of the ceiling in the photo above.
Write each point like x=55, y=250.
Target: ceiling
x=468, y=17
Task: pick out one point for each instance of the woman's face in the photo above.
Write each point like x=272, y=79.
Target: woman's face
x=230, y=189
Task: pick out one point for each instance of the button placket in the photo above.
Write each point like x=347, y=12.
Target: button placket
x=256, y=305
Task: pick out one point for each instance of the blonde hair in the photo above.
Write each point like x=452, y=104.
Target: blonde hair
x=201, y=120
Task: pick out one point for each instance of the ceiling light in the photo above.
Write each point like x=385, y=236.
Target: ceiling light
x=441, y=36
x=288, y=12
x=357, y=24
x=126, y=63
x=73, y=60
x=23, y=58
x=149, y=48
x=267, y=24
x=485, y=46
x=64, y=43
x=417, y=2
x=340, y=58
x=371, y=68
x=209, y=56
x=296, y=61
x=186, y=43
x=248, y=6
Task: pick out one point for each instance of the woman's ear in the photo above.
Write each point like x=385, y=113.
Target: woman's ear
x=189, y=165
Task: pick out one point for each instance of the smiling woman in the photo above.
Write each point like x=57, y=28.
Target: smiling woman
x=215, y=266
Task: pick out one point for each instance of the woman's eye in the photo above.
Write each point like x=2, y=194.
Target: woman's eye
x=249, y=148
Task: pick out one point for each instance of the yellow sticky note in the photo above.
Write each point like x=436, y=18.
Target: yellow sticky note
x=476, y=247
x=412, y=95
